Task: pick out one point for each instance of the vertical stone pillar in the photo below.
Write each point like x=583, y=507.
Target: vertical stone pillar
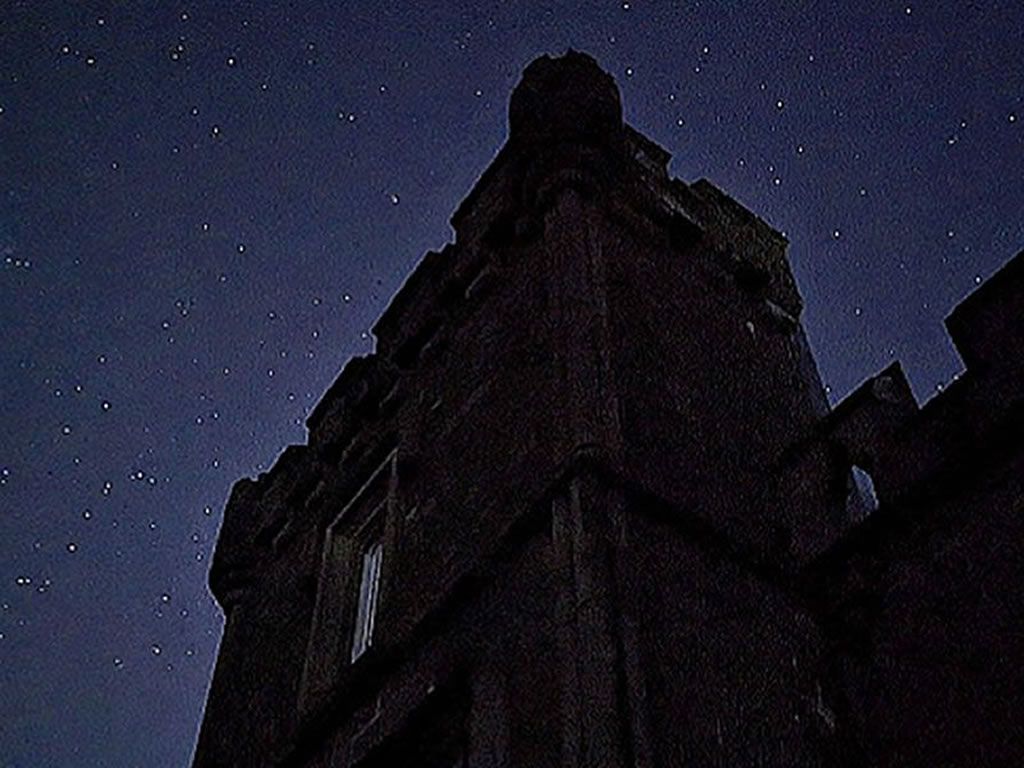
x=603, y=694
x=592, y=725
x=575, y=253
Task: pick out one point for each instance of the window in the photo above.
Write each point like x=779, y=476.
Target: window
x=369, y=589
x=352, y=592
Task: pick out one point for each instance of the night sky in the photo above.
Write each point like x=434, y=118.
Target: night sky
x=204, y=206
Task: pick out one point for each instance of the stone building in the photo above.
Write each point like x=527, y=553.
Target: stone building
x=586, y=504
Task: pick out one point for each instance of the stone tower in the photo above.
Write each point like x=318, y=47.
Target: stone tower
x=566, y=513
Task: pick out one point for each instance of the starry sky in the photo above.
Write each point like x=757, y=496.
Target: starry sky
x=204, y=206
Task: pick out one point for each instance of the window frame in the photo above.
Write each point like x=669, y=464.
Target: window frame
x=368, y=514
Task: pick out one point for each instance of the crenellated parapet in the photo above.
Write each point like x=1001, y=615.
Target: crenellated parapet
x=918, y=594
x=911, y=454
x=916, y=454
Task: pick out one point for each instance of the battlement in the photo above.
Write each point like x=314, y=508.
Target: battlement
x=919, y=454
x=911, y=453
x=986, y=327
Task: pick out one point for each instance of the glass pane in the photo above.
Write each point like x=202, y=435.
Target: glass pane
x=367, y=607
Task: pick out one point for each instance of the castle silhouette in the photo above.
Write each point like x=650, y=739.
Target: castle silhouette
x=587, y=505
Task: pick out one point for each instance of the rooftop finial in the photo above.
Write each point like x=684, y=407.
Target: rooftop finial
x=568, y=97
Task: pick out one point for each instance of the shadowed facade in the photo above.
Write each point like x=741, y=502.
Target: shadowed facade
x=586, y=503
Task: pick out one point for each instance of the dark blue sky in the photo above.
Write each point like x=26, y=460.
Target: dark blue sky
x=203, y=207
